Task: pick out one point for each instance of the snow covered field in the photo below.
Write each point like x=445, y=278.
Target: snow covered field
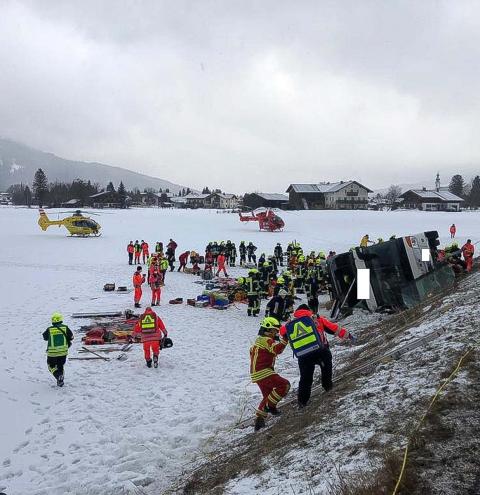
x=117, y=424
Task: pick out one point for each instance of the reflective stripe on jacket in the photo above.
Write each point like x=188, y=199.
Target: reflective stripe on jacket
x=262, y=357
x=57, y=343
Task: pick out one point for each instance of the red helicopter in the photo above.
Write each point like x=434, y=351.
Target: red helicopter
x=267, y=219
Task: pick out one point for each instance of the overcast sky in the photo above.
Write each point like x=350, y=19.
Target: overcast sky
x=247, y=95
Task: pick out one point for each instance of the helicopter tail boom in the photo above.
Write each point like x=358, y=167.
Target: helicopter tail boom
x=45, y=222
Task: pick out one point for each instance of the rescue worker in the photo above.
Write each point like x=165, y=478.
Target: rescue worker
x=138, y=252
x=138, y=280
x=365, y=241
x=468, y=250
x=263, y=354
x=130, y=251
x=170, y=254
x=306, y=335
x=152, y=331
x=183, y=259
x=221, y=264
x=59, y=338
x=172, y=245
x=233, y=255
x=155, y=286
x=252, y=289
x=163, y=269
x=278, y=253
x=252, y=258
x=312, y=288
x=242, y=249
x=145, y=247
x=277, y=305
x=453, y=231
x=159, y=248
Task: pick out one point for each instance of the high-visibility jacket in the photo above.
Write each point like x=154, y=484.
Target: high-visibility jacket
x=221, y=261
x=130, y=248
x=453, y=229
x=262, y=357
x=58, y=338
x=306, y=333
x=138, y=248
x=164, y=264
x=150, y=326
x=145, y=247
x=364, y=241
x=251, y=286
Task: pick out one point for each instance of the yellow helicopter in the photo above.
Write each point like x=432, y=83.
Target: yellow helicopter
x=76, y=224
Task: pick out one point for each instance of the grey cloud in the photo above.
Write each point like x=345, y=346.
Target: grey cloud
x=247, y=95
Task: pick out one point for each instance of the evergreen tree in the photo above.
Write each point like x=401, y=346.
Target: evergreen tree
x=167, y=190
x=457, y=185
x=188, y=191
x=206, y=190
x=110, y=187
x=122, y=194
x=474, y=197
x=28, y=196
x=40, y=186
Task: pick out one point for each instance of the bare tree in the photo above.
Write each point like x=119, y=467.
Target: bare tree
x=392, y=195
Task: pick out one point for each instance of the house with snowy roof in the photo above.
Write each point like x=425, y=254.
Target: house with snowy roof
x=342, y=195
x=438, y=199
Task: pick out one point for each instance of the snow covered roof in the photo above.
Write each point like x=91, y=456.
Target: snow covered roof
x=323, y=187
x=196, y=196
x=273, y=196
x=435, y=195
x=304, y=188
x=72, y=202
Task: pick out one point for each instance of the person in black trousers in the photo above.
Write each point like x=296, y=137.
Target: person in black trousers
x=309, y=351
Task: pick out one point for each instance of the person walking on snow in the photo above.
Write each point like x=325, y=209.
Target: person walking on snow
x=453, y=231
x=144, y=246
x=156, y=286
x=138, y=252
x=263, y=354
x=183, y=259
x=468, y=250
x=130, y=251
x=152, y=331
x=306, y=335
x=221, y=264
x=138, y=280
x=59, y=338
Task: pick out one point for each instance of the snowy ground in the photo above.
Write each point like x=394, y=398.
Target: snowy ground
x=118, y=424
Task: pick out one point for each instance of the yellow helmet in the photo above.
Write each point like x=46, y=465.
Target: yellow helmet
x=57, y=318
x=241, y=280
x=270, y=322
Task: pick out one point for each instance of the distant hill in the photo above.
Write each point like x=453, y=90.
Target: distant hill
x=18, y=163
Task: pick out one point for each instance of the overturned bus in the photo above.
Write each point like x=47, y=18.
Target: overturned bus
x=399, y=279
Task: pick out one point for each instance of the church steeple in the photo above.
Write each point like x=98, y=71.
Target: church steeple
x=437, y=182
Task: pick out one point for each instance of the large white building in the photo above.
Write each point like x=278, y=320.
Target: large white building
x=342, y=195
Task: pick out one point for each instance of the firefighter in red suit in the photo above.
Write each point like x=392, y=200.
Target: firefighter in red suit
x=453, y=230
x=262, y=363
x=138, y=280
x=152, y=331
x=468, y=250
x=221, y=259
x=183, y=258
x=156, y=286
